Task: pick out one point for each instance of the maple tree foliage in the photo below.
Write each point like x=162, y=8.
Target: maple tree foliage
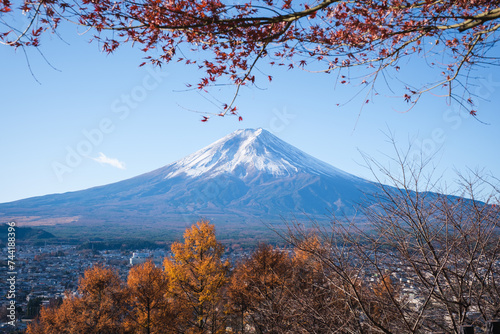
x=320, y=36
x=197, y=275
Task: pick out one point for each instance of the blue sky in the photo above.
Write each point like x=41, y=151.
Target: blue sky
x=129, y=120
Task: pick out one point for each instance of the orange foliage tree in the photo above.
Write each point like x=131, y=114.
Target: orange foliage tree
x=99, y=309
x=150, y=309
x=197, y=276
x=347, y=282
x=322, y=299
x=259, y=291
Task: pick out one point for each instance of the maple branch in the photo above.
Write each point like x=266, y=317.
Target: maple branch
x=27, y=28
x=339, y=33
x=209, y=21
x=459, y=66
x=474, y=21
x=238, y=86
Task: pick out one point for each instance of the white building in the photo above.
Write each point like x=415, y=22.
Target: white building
x=138, y=258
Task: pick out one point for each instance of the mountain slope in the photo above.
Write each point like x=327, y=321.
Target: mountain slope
x=248, y=175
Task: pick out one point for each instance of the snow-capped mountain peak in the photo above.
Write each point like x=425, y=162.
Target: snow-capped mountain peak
x=248, y=176
x=248, y=152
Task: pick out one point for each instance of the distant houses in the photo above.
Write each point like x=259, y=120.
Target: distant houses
x=138, y=258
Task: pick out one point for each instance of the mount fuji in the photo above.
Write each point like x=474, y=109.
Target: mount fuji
x=248, y=176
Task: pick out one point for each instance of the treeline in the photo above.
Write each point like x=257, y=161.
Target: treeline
x=26, y=234
x=271, y=291
x=429, y=263
x=310, y=288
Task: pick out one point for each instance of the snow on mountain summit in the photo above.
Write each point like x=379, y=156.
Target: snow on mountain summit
x=248, y=176
x=249, y=152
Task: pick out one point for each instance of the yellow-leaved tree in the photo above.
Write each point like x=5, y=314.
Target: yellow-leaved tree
x=197, y=276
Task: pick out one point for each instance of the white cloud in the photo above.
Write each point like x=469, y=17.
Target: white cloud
x=103, y=159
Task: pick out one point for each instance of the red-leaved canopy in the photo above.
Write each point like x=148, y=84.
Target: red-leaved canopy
x=322, y=36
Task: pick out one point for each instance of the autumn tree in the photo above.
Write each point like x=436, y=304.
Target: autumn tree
x=103, y=297
x=385, y=296
x=448, y=244
x=197, y=276
x=289, y=291
x=415, y=260
x=150, y=309
x=57, y=319
x=321, y=299
x=376, y=36
x=98, y=310
x=259, y=291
